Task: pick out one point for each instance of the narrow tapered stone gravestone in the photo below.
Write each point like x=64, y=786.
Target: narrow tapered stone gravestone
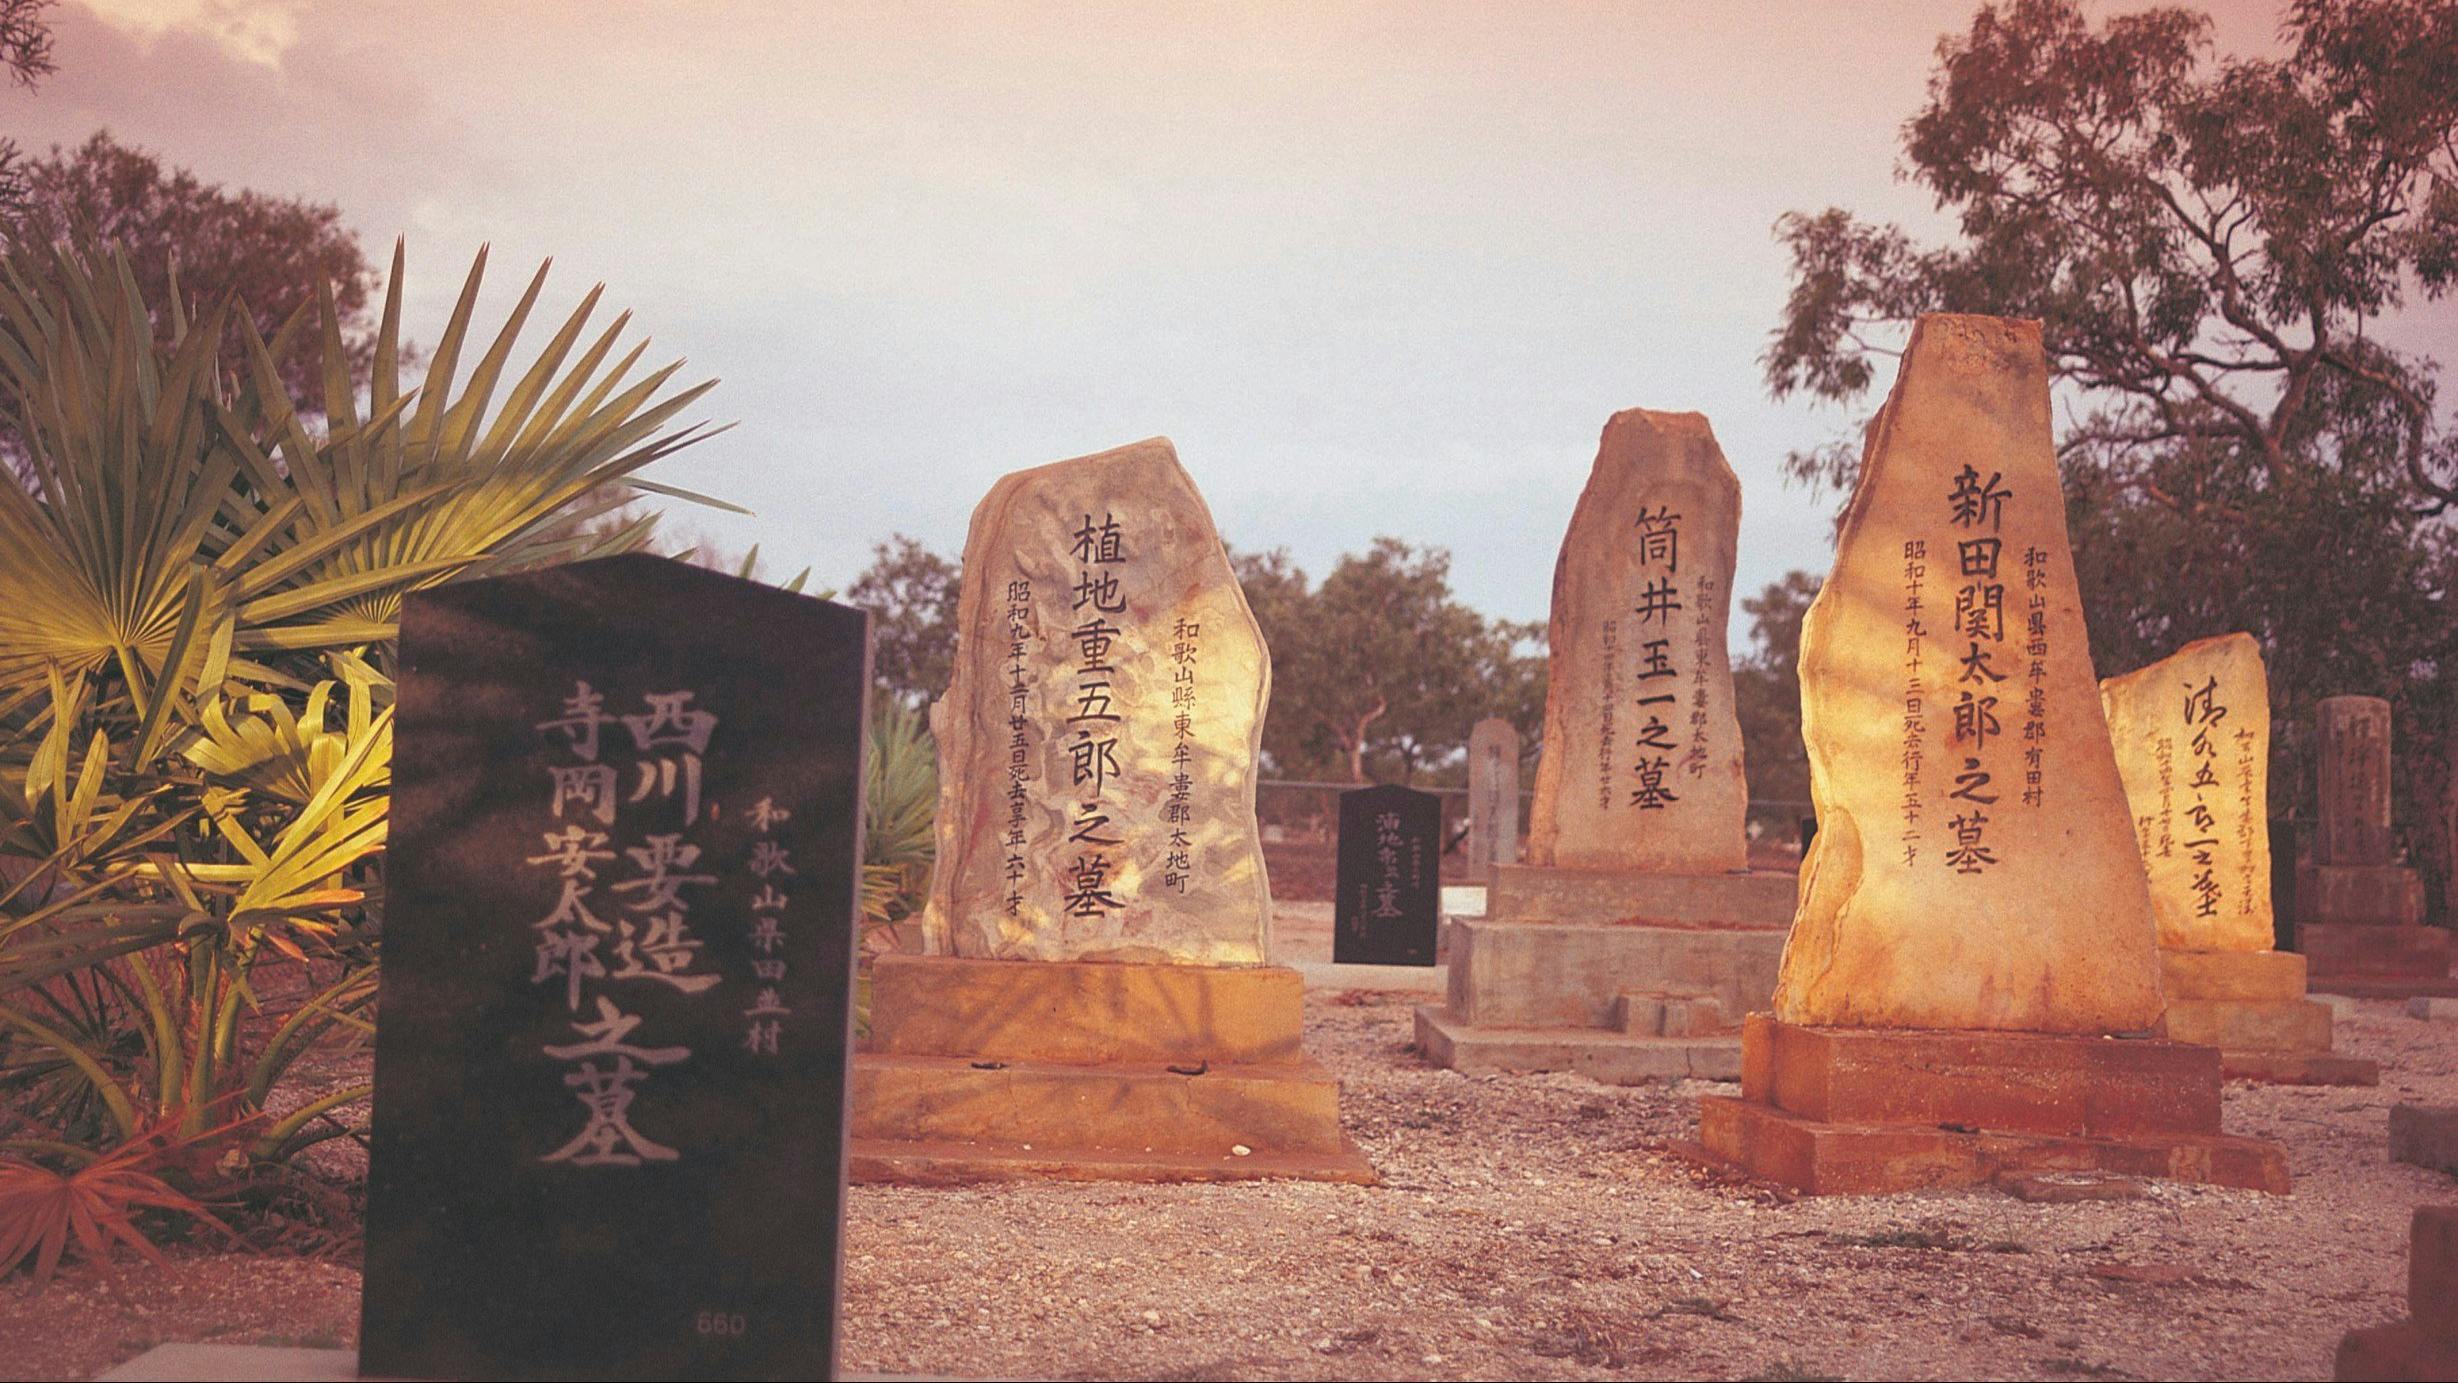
x=1975, y=864
x=2192, y=739
x=618, y=954
x=1642, y=764
x=1098, y=743
x=1493, y=795
x=1390, y=890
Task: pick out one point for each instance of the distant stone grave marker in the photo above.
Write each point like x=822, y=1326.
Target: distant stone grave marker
x=1390, y=888
x=611, y=1067
x=1493, y=796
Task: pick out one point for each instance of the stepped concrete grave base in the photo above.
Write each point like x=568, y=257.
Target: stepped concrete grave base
x=2251, y=1005
x=987, y=1070
x=1845, y=1111
x=1618, y=1001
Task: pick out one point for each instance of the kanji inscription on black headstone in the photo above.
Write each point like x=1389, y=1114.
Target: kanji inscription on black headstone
x=1390, y=886
x=609, y=1134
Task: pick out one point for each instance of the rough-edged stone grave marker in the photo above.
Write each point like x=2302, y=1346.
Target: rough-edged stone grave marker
x=2192, y=740
x=1389, y=890
x=1974, y=920
x=1493, y=796
x=1632, y=940
x=1095, y=1001
x=618, y=954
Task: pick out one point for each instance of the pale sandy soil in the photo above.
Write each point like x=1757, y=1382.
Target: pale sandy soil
x=1528, y=1227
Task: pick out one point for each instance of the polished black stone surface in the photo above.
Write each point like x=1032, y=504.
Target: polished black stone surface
x=610, y=1174
x=1390, y=885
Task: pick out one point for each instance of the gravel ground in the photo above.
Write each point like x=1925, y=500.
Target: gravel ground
x=1528, y=1227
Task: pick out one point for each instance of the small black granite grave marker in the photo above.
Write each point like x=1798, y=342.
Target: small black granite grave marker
x=1390, y=877
x=609, y=1134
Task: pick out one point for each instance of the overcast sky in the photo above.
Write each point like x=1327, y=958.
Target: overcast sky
x=1376, y=269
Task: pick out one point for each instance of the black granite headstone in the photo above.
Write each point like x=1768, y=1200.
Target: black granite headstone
x=609, y=1135
x=1390, y=887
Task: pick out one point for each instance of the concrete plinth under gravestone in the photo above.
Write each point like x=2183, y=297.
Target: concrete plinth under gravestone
x=2359, y=913
x=2424, y=1346
x=1975, y=924
x=1633, y=940
x=1095, y=1003
x=2192, y=740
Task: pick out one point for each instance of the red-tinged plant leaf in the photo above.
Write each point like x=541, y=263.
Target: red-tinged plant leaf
x=41, y=1209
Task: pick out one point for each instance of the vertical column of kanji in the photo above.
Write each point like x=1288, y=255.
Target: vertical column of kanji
x=1178, y=868
x=1657, y=679
x=1977, y=510
x=649, y=935
x=1095, y=723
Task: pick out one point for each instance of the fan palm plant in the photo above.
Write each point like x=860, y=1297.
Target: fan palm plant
x=203, y=578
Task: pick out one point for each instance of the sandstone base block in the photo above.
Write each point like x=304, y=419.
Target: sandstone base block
x=1620, y=1004
x=1841, y=1111
x=980, y=1070
x=2251, y=1006
x=1747, y=898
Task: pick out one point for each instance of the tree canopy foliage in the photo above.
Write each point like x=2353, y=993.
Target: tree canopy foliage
x=911, y=593
x=1379, y=672
x=2210, y=243
x=197, y=242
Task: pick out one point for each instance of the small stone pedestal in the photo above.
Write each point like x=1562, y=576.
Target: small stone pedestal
x=988, y=1070
x=2360, y=915
x=1619, y=977
x=2361, y=930
x=2251, y=1005
x=1856, y=1111
x=2425, y=1345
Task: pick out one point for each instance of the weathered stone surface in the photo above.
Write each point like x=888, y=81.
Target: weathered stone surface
x=2433, y=1009
x=2425, y=1345
x=2192, y=739
x=2366, y=895
x=1527, y=893
x=2352, y=766
x=1087, y=1013
x=1642, y=762
x=2027, y=1082
x=1975, y=864
x=1097, y=744
x=1565, y=975
x=2231, y=975
x=1493, y=795
x=2395, y=952
x=2426, y=1135
x=2432, y=1270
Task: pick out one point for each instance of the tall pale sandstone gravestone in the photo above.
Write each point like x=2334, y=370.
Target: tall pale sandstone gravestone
x=1493, y=796
x=2359, y=913
x=1974, y=920
x=1094, y=1001
x=2192, y=739
x=1630, y=944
